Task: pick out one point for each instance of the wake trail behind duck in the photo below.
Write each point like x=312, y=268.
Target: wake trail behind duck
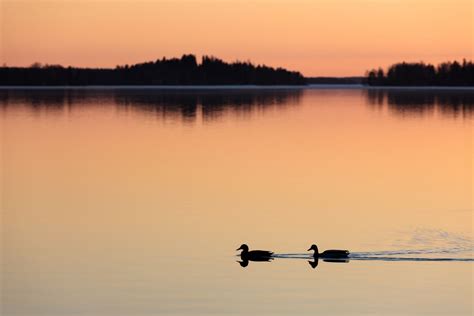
x=432, y=254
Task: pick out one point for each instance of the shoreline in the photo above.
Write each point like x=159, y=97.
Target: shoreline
x=245, y=87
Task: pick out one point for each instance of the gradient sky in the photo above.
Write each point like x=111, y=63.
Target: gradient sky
x=316, y=37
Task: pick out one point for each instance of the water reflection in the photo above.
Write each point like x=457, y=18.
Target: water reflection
x=244, y=262
x=101, y=204
x=183, y=104
x=315, y=261
x=420, y=102
x=188, y=105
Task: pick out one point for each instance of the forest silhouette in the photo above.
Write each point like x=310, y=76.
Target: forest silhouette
x=421, y=74
x=175, y=71
x=214, y=71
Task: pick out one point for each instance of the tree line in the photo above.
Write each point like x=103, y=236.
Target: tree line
x=174, y=71
x=421, y=74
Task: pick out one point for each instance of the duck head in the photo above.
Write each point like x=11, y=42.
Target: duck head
x=315, y=248
x=243, y=247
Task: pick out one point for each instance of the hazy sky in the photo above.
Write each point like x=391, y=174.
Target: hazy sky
x=317, y=37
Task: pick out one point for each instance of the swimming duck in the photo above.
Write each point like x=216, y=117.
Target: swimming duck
x=329, y=253
x=254, y=255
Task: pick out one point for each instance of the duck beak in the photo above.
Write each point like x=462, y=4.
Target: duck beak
x=309, y=249
x=238, y=249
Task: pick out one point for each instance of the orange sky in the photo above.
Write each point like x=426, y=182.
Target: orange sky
x=316, y=37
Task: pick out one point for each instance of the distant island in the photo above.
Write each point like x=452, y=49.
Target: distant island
x=421, y=74
x=175, y=71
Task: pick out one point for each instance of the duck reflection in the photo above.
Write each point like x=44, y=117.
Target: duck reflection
x=245, y=261
x=315, y=261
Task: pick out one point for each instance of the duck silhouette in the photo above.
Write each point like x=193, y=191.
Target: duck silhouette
x=329, y=254
x=254, y=255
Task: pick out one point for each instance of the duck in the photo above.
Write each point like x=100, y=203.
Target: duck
x=254, y=255
x=330, y=254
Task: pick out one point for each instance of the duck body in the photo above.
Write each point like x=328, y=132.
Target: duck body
x=254, y=255
x=257, y=255
x=329, y=254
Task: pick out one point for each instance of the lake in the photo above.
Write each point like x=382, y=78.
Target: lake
x=133, y=201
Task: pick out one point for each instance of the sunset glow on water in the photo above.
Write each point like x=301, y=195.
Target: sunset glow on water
x=132, y=202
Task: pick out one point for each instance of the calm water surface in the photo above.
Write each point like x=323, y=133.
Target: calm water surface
x=131, y=202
